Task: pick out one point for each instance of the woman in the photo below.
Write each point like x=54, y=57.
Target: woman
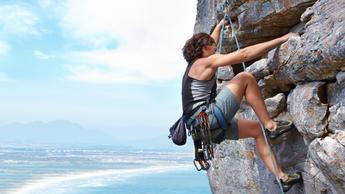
x=199, y=86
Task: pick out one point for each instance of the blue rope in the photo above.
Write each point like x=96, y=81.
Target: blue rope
x=220, y=42
x=233, y=34
x=271, y=155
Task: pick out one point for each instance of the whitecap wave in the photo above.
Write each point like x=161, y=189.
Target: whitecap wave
x=56, y=183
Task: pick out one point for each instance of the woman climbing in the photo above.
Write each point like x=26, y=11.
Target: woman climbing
x=199, y=89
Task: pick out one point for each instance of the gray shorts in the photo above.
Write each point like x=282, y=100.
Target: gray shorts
x=227, y=102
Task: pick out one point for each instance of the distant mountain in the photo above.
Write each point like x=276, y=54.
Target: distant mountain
x=60, y=132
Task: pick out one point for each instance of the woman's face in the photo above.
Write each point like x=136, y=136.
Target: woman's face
x=210, y=50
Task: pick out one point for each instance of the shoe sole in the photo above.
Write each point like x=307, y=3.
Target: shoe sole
x=283, y=127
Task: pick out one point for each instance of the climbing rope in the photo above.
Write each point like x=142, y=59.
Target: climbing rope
x=233, y=32
x=274, y=164
x=226, y=10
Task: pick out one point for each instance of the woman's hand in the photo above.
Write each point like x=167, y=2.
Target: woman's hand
x=287, y=36
x=223, y=21
x=220, y=23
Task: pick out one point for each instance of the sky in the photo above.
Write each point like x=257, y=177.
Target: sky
x=110, y=65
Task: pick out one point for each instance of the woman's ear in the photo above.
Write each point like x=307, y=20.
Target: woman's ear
x=204, y=50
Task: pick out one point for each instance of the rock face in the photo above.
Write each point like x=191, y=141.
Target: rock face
x=308, y=110
x=320, y=52
x=337, y=102
x=302, y=80
x=329, y=154
x=241, y=169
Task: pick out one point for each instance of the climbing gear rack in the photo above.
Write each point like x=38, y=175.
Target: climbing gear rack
x=199, y=129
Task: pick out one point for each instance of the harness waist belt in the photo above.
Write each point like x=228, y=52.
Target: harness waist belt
x=192, y=118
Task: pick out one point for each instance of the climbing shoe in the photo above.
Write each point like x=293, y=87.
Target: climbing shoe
x=282, y=127
x=294, y=178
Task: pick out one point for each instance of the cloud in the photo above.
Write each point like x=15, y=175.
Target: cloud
x=4, y=47
x=40, y=55
x=125, y=66
x=3, y=77
x=86, y=73
x=150, y=36
x=18, y=20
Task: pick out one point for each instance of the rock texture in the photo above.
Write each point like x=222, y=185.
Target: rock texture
x=303, y=80
x=320, y=52
x=242, y=165
x=337, y=102
x=329, y=155
x=307, y=107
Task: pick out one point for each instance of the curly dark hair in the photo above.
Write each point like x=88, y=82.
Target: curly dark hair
x=192, y=49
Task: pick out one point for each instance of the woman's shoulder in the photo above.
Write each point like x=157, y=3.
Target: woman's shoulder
x=202, y=61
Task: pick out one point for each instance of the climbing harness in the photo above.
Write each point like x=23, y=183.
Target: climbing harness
x=199, y=129
x=227, y=17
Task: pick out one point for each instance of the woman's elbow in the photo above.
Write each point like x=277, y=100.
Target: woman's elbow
x=244, y=55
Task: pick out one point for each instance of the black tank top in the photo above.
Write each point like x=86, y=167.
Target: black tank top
x=196, y=93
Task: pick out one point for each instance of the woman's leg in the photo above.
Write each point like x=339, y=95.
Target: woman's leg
x=247, y=128
x=244, y=84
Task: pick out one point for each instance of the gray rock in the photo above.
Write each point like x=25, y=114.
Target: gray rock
x=266, y=90
x=336, y=118
x=259, y=69
x=276, y=104
x=246, y=112
x=258, y=21
x=336, y=99
x=336, y=91
x=269, y=86
x=240, y=169
x=206, y=15
x=328, y=155
x=308, y=109
x=284, y=116
x=225, y=73
x=291, y=151
x=340, y=77
x=306, y=16
x=320, y=52
x=314, y=181
x=255, y=21
x=280, y=56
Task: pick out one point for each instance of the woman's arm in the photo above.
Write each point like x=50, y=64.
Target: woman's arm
x=248, y=53
x=216, y=31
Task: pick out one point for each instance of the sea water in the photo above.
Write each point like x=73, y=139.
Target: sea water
x=47, y=170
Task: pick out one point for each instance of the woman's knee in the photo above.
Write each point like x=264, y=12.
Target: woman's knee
x=246, y=76
x=242, y=80
x=258, y=131
x=248, y=128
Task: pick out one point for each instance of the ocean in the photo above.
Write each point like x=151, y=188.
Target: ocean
x=50, y=170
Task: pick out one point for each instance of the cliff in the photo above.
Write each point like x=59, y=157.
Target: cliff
x=303, y=80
